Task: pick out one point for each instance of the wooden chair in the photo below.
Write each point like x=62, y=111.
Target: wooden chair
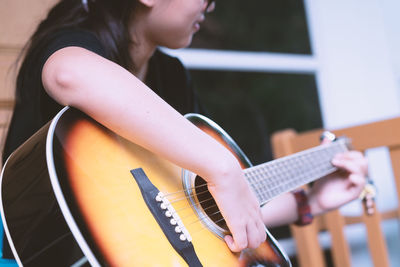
x=309, y=253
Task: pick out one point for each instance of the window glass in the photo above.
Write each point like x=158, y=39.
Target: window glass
x=251, y=106
x=256, y=25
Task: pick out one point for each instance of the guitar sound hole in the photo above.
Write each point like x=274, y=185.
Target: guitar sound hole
x=206, y=201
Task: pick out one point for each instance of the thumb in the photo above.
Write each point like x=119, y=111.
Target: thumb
x=231, y=243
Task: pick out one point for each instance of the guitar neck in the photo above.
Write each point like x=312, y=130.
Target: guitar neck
x=282, y=175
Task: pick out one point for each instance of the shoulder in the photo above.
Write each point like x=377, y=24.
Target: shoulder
x=71, y=37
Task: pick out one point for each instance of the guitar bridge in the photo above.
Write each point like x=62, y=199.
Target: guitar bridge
x=167, y=218
x=173, y=217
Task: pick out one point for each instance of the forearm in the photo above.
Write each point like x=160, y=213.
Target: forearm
x=280, y=211
x=284, y=210
x=121, y=102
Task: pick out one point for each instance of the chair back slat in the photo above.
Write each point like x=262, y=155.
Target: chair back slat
x=395, y=160
x=335, y=223
x=376, y=240
x=377, y=134
x=309, y=250
x=307, y=245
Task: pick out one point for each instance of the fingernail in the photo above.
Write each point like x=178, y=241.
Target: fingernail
x=335, y=161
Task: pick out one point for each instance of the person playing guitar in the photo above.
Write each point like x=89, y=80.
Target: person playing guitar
x=102, y=58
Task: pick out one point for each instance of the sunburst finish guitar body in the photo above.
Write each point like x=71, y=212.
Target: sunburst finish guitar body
x=77, y=194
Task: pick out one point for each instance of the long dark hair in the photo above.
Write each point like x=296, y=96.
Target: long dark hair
x=107, y=19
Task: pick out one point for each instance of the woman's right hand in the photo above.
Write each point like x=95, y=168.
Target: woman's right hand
x=240, y=209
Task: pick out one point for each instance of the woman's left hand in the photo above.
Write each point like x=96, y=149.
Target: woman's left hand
x=341, y=187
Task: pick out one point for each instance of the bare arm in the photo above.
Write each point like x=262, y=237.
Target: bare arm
x=114, y=97
x=328, y=193
x=120, y=101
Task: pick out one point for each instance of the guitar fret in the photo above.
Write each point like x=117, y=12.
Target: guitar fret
x=282, y=175
x=253, y=180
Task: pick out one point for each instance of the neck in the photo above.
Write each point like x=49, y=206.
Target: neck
x=141, y=49
x=285, y=174
x=141, y=55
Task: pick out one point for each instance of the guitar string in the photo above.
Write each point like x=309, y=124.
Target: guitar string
x=193, y=194
x=191, y=206
x=282, y=187
x=188, y=189
x=188, y=216
x=204, y=217
x=200, y=202
x=200, y=222
x=200, y=218
x=183, y=192
x=258, y=181
x=206, y=191
x=196, y=187
x=195, y=232
x=203, y=227
x=249, y=171
x=261, y=181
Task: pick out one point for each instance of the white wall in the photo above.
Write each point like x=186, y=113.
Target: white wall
x=356, y=60
x=356, y=78
x=391, y=9
x=356, y=44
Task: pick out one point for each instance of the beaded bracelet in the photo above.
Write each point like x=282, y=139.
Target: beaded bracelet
x=303, y=208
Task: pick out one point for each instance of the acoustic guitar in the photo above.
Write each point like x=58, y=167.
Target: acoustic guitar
x=77, y=194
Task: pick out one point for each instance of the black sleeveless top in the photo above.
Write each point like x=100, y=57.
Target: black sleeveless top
x=34, y=107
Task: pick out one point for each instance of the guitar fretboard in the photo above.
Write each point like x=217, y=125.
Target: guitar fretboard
x=282, y=175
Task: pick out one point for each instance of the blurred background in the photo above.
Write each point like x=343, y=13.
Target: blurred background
x=265, y=65
x=261, y=66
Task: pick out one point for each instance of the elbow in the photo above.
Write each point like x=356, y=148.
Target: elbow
x=63, y=79
x=59, y=78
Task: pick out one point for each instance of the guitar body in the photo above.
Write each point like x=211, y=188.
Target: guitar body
x=68, y=197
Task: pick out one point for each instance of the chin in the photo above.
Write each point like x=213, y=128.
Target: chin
x=181, y=44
